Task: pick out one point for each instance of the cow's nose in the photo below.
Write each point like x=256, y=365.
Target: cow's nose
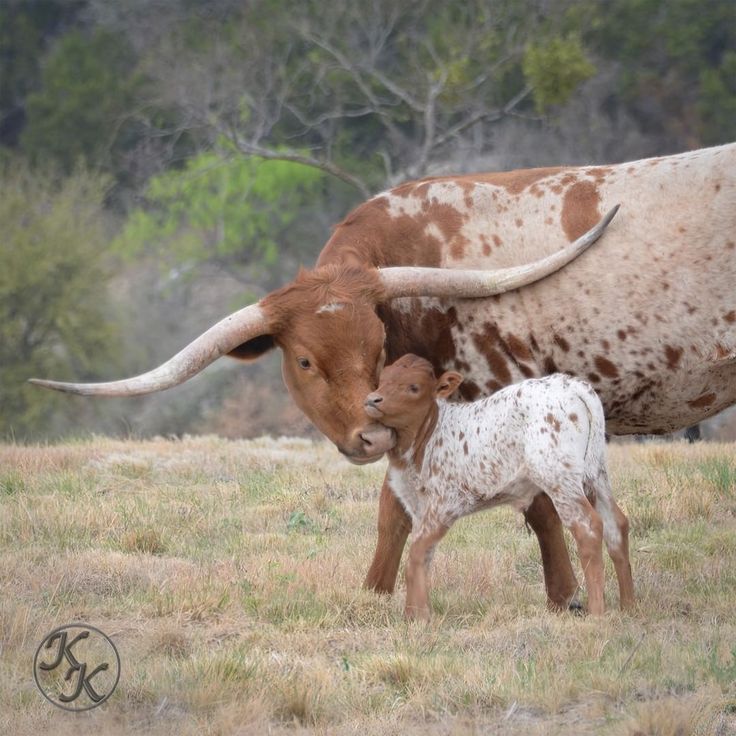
x=376, y=438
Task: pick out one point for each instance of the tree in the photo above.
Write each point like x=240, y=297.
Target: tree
x=82, y=111
x=234, y=213
x=677, y=63
x=52, y=290
x=369, y=92
x=25, y=31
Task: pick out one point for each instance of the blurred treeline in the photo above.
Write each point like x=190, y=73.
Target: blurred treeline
x=163, y=162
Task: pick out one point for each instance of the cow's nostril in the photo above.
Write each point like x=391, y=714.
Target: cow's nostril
x=366, y=439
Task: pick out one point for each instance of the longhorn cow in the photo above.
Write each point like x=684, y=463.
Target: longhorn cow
x=432, y=268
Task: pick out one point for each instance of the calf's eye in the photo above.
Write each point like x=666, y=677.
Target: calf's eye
x=303, y=363
x=414, y=388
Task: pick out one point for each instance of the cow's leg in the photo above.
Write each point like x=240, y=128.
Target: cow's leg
x=394, y=526
x=417, y=570
x=559, y=578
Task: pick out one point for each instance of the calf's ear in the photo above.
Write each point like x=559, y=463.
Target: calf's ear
x=447, y=383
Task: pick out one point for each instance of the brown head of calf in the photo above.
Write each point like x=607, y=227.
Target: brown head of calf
x=405, y=399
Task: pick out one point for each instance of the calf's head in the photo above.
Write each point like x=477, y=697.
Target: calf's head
x=406, y=391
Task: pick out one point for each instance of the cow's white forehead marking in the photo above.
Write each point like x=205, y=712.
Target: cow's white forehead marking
x=331, y=307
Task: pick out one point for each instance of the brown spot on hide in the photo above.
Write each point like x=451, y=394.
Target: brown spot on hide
x=515, y=182
x=469, y=390
x=519, y=222
x=493, y=386
x=518, y=349
x=370, y=237
x=718, y=187
x=605, y=367
x=580, y=209
x=605, y=345
x=424, y=332
x=533, y=343
x=561, y=343
x=465, y=447
x=730, y=317
x=550, y=366
x=573, y=418
x=594, y=378
x=621, y=334
x=496, y=361
x=599, y=173
x=553, y=421
x=673, y=356
x=702, y=401
x=457, y=248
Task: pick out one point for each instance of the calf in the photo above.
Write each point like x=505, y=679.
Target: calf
x=539, y=436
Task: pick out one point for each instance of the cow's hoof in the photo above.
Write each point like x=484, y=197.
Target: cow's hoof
x=576, y=607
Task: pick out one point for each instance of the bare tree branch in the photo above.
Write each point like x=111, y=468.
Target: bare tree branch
x=251, y=148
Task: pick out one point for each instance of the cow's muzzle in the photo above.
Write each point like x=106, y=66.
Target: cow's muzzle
x=369, y=444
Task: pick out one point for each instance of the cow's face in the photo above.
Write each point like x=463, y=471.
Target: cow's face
x=331, y=360
x=333, y=352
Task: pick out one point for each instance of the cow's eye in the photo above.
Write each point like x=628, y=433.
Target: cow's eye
x=304, y=363
x=414, y=388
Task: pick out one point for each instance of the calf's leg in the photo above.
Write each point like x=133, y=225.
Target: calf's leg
x=587, y=529
x=559, y=578
x=616, y=536
x=417, y=570
x=394, y=526
x=620, y=556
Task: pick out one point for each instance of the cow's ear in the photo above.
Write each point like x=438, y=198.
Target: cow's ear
x=447, y=383
x=253, y=349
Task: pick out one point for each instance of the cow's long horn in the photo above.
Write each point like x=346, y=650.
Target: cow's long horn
x=410, y=281
x=220, y=339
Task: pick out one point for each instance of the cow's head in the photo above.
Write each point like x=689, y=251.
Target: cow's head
x=325, y=324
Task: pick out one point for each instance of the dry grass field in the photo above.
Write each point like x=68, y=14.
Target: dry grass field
x=229, y=576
